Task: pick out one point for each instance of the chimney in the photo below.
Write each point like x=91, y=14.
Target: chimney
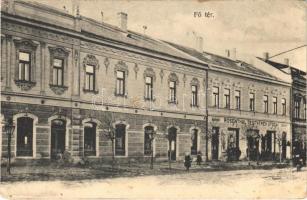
x=286, y=61
x=266, y=55
x=122, y=21
x=227, y=53
x=233, y=54
x=199, y=44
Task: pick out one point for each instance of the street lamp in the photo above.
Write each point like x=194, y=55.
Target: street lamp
x=9, y=129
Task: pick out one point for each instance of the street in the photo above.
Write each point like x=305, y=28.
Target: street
x=269, y=184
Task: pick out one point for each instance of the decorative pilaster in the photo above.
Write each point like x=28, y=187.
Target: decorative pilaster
x=43, y=67
x=9, y=54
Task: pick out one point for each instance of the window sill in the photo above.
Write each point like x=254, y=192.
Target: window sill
x=173, y=102
x=121, y=95
x=58, y=89
x=25, y=85
x=194, y=106
x=149, y=99
x=90, y=91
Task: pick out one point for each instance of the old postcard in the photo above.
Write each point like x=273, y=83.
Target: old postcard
x=139, y=99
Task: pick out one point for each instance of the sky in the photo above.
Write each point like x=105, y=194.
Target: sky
x=252, y=27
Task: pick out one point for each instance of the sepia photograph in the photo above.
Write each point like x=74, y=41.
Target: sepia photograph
x=153, y=99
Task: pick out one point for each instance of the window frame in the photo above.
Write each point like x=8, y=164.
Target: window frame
x=149, y=88
x=252, y=101
x=194, y=100
x=87, y=86
x=266, y=103
x=274, y=103
x=226, y=98
x=216, y=96
x=120, y=87
x=238, y=100
x=284, y=106
x=57, y=70
x=172, y=91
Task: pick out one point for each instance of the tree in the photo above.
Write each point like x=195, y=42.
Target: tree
x=109, y=131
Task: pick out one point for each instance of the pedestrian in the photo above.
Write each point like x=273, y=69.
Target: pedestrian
x=187, y=161
x=198, y=158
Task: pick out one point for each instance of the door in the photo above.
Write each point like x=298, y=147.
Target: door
x=284, y=145
x=24, y=136
x=215, y=143
x=58, y=131
x=172, y=143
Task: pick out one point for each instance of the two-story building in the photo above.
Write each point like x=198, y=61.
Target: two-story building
x=74, y=84
x=298, y=104
x=248, y=109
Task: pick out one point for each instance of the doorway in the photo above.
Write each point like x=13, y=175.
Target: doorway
x=58, y=131
x=215, y=143
x=172, y=138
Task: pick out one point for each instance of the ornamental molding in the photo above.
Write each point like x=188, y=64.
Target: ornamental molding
x=121, y=66
x=26, y=45
x=184, y=79
x=25, y=85
x=173, y=77
x=136, y=69
x=227, y=83
x=161, y=74
x=194, y=82
x=59, y=90
x=91, y=60
x=149, y=72
x=106, y=63
x=60, y=52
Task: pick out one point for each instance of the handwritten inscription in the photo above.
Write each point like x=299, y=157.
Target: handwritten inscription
x=203, y=14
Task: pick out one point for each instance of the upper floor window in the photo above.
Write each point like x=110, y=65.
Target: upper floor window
x=283, y=105
x=238, y=99
x=215, y=97
x=252, y=101
x=58, y=69
x=274, y=105
x=265, y=104
x=24, y=71
x=90, y=77
x=194, y=95
x=297, y=108
x=148, y=88
x=226, y=98
x=172, y=91
x=120, y=83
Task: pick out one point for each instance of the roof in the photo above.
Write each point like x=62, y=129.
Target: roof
x=216, y=61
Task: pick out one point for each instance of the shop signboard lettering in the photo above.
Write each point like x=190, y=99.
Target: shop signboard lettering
x=249, y=122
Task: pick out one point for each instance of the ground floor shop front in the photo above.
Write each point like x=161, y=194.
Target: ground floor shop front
x=46, y=132
x=233, y=138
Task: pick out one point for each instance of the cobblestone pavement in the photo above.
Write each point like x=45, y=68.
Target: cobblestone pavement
x=269, y=184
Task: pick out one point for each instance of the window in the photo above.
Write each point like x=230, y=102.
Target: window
x=274, y=105
x=89, y=78
x=24, y=143
x=227, y=98
x=297, y=108
x=58, y=69
x=238, y=99
x=90, y=139
x=251, y=101
x=172, y=91
x=283, y=105
x=265, y=104
x=194, y=95
x=215, y=97
x=194, y=140
x=149, y=130
x=305, y=110
x=120, y=83
x=120, y=140
x=24, y=72
x=148, y=88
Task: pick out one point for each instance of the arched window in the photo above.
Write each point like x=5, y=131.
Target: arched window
x=148, y=136
x=194, y=140
x=120, y=140
x=90, y=139
x=58, y=131
x=24, y=143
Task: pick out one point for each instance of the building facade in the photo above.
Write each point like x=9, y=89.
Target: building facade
x=91, y=89
x=248, y=109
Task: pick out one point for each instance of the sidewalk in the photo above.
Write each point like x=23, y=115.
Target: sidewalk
x=102, y=170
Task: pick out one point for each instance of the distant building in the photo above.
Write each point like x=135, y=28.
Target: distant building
x=298, y=103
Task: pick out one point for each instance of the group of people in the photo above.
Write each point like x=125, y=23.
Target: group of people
x=188, y=160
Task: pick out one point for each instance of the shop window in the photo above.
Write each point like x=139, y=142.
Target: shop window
x=238, y=99
x=90, y=139
x=252, y=101
x=284, y=106
x=24, y=143
x=265, y=104
x=194, y=95
x=274, y=105
x=148, y=140
x=120, y=140
x=148, y=88
x=215, y=97
x=194, y=140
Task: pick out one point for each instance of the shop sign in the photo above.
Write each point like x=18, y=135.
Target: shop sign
x=249, y=122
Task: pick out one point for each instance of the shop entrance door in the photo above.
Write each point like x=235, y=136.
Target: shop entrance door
x=58, y=130
x=215, y=143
